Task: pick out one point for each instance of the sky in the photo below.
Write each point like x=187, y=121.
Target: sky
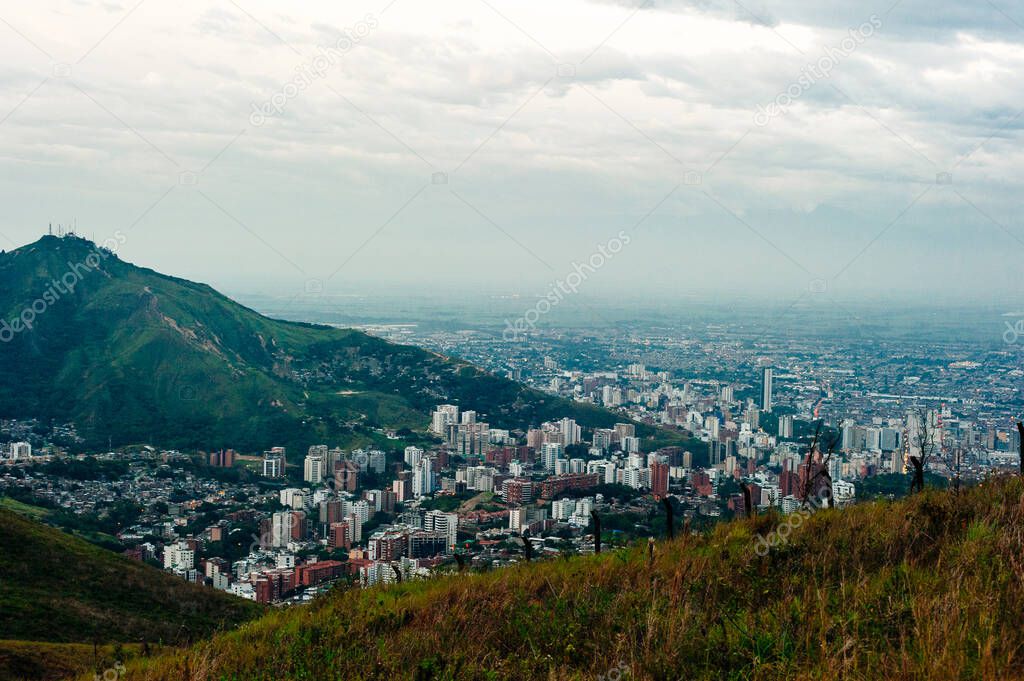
x=780, y=149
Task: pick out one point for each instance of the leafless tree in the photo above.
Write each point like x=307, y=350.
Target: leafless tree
x=924, y=440
x=816, y=467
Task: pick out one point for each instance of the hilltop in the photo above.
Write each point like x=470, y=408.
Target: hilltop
x=130, y=355
x=928, y=587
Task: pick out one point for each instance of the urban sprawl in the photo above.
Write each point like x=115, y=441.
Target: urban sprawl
x=473, y=496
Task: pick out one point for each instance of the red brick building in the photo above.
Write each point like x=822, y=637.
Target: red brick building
x=321, y=571
x=557, y=484
x=659, y=479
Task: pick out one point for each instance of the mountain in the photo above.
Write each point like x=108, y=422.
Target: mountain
x=929, y=587
x=130, y=355
x=59, y=593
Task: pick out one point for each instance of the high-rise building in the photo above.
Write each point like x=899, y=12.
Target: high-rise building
x=273, y=463
x=630, y=444
x=224, y=458
x=376, y=461
x=179, y=557
x=889, y=439
x=447, y=523
x=550, y=453
x=314, y=469
x=603, y=438
x=637, y=478
x=786, y=426
x=285, y=527
x=517, y=491
x=346, y=476
x=571, y=433
x=766, y=389
x=517, y=517
x=402, y=486
x=413, y=455
x=659, y=479
x=711, y=426
x=423, y=478
x=444, y=415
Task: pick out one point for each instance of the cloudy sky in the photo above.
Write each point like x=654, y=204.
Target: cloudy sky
x=763, y=147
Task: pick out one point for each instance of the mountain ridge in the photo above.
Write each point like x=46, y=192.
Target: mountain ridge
x=132, y=355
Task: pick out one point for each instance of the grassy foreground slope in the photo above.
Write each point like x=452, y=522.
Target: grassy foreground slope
x=926, y=588
x=61, y=589
x=35, y=661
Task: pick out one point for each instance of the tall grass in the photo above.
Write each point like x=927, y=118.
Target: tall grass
x=929, y=587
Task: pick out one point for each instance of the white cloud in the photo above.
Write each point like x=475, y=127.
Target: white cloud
x=555, y=156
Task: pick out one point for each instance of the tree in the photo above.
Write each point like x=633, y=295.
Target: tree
x=924, y=441
x=816, y=468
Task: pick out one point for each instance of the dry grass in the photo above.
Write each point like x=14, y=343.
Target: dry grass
x=926, y=588
x=36, y=661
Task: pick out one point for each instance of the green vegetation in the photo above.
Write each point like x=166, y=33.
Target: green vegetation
x=135, y=356
x=20, y=660
x=444, y=503
x=58, y=588
x=928, y=587
x=894, y=485
x=89, y=468
x=97, y=528
x=35, y=512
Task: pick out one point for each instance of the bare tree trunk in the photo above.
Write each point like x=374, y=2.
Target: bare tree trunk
x=527, y=547
x=748, y=502
x=1020, y=444
x=670, y=529
x=597, y=531
x=917, y=484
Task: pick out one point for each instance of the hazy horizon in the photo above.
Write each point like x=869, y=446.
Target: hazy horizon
x=769, y=150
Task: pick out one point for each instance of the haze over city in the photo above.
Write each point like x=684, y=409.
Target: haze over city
x=761, y=149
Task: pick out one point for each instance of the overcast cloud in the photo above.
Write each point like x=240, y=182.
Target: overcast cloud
x=492, y=143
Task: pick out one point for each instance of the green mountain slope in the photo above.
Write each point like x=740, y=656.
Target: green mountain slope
x=57, y=588
x=131, y=355
x=926, y=588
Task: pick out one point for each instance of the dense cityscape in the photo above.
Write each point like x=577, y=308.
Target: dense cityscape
x=778, y=429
